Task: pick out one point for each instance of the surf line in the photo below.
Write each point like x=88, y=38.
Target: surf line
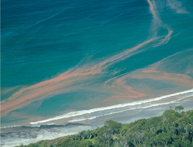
x=82, y=112
x=145, y=107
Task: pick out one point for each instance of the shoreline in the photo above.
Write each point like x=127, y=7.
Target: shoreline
x=52, y=131
x=80, y=116
x=90, y=114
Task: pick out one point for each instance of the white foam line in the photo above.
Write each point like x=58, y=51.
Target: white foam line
x=13, y=126
x=82, y=112
x=145, y=107
x=77, y=120
x=149, y=106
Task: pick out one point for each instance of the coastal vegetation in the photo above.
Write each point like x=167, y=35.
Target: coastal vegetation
x=174, y=128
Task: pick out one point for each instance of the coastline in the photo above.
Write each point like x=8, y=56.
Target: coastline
x=17, y=136
x=69, y=67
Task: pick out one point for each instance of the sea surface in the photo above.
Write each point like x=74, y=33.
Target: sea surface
x=66, y=62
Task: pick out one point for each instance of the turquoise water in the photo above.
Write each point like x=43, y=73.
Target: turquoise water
x=84, y=53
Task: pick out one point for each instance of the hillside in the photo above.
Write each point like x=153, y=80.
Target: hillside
x=172, y=129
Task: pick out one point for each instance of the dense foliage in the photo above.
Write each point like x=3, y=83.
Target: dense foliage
x=172, y=129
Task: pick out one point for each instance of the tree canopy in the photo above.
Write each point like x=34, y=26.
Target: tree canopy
x=179, y=108
x=172, y=129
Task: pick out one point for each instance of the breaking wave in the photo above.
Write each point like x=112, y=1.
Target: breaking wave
x=122, y=107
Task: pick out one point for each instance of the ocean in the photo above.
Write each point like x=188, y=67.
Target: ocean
x=85, y=62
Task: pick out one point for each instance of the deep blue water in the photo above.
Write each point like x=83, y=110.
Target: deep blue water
x=42, y=39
